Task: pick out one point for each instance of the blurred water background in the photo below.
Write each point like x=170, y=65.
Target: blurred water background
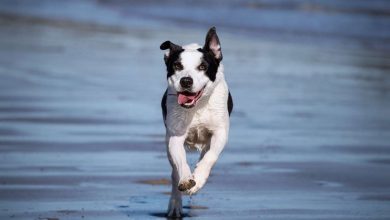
x=81, y=133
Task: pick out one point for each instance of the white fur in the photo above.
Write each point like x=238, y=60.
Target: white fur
x=209, y=113
x=190, y=59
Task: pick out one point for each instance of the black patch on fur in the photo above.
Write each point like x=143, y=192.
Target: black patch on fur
x=212, y=64
x=230, y=104
x=174, y=55
x=208, y=55
x=212, y=39
x=164, y=105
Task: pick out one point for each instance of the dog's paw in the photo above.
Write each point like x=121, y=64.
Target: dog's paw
x=174, y=209
x=193, y=190
x=199, y=184
x=186, y=184
x=174, y=213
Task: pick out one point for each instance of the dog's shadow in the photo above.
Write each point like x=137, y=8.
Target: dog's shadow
x=187, y=214
x=164, y=215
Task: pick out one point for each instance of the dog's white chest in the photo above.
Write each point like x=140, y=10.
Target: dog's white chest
x=199, y=130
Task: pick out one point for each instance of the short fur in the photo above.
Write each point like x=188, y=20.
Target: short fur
x=204, y=125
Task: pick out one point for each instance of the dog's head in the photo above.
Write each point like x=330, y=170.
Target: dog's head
x=191, y=69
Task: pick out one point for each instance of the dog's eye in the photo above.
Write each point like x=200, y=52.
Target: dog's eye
x=202, y=67
x=177, y=66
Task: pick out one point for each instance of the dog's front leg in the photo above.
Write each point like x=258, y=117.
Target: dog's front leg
x=203, y=167
x=181, y=173
x=177, y=157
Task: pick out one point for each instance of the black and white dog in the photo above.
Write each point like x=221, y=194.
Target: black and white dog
x=196, y=108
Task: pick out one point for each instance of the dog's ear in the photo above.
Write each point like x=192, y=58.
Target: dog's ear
x=212, y=44
x=169, y=45
x=172, y=48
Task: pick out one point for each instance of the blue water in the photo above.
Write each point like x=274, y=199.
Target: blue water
x=363, y=23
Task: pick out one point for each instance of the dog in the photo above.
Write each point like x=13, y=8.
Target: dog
x=196, y=109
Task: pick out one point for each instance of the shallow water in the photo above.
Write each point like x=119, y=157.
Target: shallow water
x=81, y=133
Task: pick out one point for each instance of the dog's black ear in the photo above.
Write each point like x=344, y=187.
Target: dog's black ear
x=172, y=48
x=169, y=45
x=212, y=44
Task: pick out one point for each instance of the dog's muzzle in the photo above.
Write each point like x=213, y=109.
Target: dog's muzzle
x=188, y=99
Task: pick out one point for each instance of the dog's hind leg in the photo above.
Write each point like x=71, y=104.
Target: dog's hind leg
x=208, y=159
x=175, y=202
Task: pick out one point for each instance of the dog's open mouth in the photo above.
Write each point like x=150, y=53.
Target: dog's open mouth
x=188, y=99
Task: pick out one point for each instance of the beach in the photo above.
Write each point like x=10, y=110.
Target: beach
x=81, y=129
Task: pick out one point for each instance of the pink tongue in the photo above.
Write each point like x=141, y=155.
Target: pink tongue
x=182, y=99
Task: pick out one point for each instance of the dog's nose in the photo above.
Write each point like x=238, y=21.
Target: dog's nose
x=186, y=82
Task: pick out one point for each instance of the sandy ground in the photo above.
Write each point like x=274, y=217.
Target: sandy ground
x=81, y=134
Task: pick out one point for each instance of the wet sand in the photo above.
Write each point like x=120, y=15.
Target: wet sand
x=81, y=134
